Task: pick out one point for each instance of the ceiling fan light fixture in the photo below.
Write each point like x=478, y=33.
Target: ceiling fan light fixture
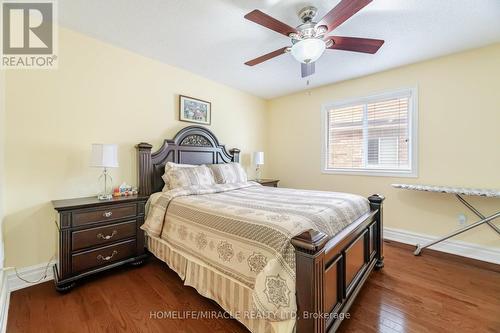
x=308, y=50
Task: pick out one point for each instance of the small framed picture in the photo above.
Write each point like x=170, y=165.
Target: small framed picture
x=194, y=110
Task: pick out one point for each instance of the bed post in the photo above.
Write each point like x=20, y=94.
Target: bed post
x=235, y=152
x=145, y=168
x=376, y=201
x=310, y=270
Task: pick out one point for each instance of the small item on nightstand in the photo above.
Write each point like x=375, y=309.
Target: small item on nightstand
x=125, y=190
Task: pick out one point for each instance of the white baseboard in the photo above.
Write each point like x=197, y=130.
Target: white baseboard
x=31, y=273
x=460, y=248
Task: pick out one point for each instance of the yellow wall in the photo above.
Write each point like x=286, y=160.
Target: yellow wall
x=99, y=93
x=459, y=140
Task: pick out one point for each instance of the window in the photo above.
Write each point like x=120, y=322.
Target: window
x=373, y=135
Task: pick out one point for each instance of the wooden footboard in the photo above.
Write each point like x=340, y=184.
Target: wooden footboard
x=330, y=272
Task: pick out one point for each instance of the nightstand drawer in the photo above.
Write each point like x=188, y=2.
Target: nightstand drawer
x=104, y=214
x=102, y=235
x=103, y=256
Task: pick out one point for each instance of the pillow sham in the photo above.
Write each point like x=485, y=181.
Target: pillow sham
x=228, y=173
x=169, y=166
x=181, y=177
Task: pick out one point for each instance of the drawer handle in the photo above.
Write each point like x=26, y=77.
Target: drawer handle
x=107, y=214
x=101, y=236
x=108, y=258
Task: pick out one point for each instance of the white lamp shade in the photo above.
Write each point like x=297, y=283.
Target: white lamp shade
x=308, y=50
x=258, y=158
x=104, y=155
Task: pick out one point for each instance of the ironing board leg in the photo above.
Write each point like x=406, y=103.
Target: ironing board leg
x=419, y=248
x=475, y=211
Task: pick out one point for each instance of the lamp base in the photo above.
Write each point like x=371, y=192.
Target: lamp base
x=258, y=175
x=105, y=197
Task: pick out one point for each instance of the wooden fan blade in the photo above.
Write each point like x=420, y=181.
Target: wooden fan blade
x=307, y=69
x=265, y=57
x=269, y=22
x=365, y=45
x=341, y=13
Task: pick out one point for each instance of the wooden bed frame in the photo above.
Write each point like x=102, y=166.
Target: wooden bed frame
x=329, y=272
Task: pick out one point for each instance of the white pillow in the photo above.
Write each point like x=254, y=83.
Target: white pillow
x=182, y=177
x=228, y=173
x=169, y=166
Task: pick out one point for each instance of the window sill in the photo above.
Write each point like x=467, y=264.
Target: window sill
x=371, y=172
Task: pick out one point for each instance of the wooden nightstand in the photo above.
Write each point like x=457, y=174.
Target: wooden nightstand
x=267, y=182
x=97, y=235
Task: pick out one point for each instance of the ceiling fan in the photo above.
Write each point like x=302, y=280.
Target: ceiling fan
x=309, y=39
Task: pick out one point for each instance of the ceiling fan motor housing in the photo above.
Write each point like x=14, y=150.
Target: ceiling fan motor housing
x=308, y=28
x=306, y=31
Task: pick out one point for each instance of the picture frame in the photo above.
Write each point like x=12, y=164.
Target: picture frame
x=194, y=110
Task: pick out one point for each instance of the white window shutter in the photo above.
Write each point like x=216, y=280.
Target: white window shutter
x=370, y=134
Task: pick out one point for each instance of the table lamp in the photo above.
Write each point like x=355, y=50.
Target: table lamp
x=258, y=160
x=104, y=156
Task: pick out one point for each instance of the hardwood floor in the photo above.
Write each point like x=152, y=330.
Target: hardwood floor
x=411, y=294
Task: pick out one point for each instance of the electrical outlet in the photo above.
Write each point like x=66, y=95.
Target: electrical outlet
x=462, y=219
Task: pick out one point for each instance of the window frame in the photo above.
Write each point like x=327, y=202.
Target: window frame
x=412, y=134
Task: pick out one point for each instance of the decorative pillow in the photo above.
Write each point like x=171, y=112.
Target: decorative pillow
x=169, y=166
x=228, y=173
x=181, y=177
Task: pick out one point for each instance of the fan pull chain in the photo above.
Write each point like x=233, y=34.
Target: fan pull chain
x=309, y=92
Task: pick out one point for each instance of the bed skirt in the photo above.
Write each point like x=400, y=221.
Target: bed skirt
x=234, y=297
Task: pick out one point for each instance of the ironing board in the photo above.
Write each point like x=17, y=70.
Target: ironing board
x=458, y=192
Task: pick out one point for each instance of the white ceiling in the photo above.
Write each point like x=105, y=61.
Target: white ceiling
x=211, y=38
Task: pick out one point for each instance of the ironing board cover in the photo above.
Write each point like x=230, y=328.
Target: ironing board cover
x=450, y=189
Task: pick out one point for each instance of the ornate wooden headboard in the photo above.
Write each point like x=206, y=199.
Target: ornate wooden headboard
x=191, y=145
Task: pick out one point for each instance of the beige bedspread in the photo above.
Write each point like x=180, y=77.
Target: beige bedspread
x=244, y=231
